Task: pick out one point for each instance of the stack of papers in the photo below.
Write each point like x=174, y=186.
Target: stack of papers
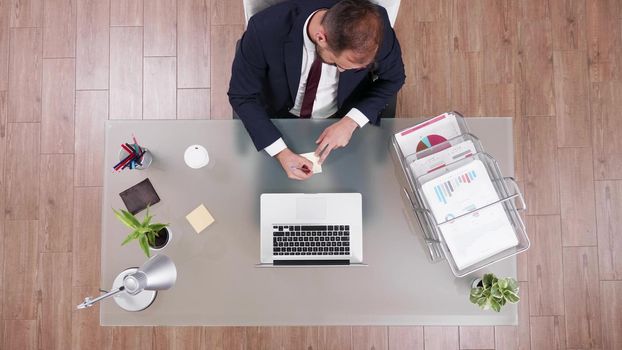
x=479, y=235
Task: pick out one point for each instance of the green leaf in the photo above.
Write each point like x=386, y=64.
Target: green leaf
x=144, y=245
x=512, y=285
x=511, y=296
x=157, y=227
x=495, y=305
x=151, y=237
x=128, y=239
x=122, y=217
x=488, y=280
x=495, y=292
x=503, y=283
x=147, y=219
x=130, y=218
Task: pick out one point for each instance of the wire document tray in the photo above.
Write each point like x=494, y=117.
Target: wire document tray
x=467, y=210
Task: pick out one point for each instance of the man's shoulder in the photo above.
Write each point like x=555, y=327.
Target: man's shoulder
x=284, y=15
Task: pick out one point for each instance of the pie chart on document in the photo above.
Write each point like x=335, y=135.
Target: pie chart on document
x=429, y=141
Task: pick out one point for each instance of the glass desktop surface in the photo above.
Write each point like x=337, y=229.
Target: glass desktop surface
x=218, y=282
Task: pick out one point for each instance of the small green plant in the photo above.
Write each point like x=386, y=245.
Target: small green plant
x=145, y=232
x=495, y=292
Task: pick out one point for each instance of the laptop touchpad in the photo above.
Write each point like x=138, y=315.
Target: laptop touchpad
x=311, y=208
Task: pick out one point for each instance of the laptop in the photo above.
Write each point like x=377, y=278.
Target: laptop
x=301, y=229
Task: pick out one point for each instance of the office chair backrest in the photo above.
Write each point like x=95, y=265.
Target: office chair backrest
x=251, y=7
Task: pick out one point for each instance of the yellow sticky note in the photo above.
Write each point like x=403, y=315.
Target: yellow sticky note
x=317, y=168
x=200, y=218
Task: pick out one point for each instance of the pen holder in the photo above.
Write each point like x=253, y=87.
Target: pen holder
x=143, y=162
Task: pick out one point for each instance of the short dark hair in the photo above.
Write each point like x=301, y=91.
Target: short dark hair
x=355, y=25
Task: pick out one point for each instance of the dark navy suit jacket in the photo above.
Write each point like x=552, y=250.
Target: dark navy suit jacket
x=266, y=71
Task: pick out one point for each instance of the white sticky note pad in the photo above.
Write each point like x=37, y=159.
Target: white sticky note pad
x=200, y=218
x=317, y=168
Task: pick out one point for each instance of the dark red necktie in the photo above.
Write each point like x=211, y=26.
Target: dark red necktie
x=313, y=80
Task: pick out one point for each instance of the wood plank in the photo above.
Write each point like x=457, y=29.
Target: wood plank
x=21, y=174
x=193, y=104
x=405, y=31
x=227, y=12
x=546, y=283
x=606, y=99
x=506, y=338
x=611, y=306
x=86, y=332
x=159, y=99
x=126, y=72
x=223, y=39
x=59, y=28
x=406, y=102
x=432, y=10
x=582, y=297
x=54, y=283
x=126, y=12
x=26, y=13
x=56, y=203
x=370, y=337
x=541, y=169
x=193, y=43
x=25, y=78
x=300, y=337
x=177, y=338
x=4, y=49
x=406, y=338
x=264, y=338
x=467, y=25
x=477, y=337
x=92, y=44
x=532, y=10
x=20, y=334
x=20, y=267
x=524, y=332
x=577, y=197
x=535, y=56
x=87, y=236
x=467, y=75
x=604, y=40
x=548, y=332
x=91, y=115
x=136, y=338
x=568, y=24
x=161, y=28
x=222, y=338
x=335, y=338
x=440, y=338
x=572, y=98
x=3, y=156
x=609, y=221
x=58, y=99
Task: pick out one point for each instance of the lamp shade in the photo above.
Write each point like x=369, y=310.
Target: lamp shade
x=157, y=273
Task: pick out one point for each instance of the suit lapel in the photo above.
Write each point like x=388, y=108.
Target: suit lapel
x=293, y=64
x=348, y=81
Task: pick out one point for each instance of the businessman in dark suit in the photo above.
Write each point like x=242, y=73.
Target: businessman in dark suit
x=314, y=59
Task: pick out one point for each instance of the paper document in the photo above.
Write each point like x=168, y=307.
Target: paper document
x=200, y=218
x=317, y=168
x=477, y=236
x=427, y=134
x=441, y=158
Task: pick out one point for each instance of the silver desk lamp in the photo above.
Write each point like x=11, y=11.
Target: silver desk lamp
x=134, y=289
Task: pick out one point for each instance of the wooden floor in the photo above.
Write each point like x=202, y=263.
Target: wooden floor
x=68, y=65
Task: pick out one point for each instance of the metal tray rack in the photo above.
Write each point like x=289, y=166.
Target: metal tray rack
x=506, y=188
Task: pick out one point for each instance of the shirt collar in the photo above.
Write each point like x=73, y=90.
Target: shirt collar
x=308, y=44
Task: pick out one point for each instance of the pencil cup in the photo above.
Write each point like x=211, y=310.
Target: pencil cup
x=143, y=162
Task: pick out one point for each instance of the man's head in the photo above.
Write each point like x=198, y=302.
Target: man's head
x=350, y=34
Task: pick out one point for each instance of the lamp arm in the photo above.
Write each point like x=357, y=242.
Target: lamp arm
x=88, y=302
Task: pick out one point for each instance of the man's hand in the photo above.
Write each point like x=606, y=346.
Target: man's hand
x=296, y=167
x=335, y=136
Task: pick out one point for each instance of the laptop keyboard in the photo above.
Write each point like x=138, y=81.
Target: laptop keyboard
x=311, y=240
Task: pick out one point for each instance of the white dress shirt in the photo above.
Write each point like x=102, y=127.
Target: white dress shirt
x=325, y=104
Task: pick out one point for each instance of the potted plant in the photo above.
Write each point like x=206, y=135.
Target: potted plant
x=149, y=235
x=491, y=292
